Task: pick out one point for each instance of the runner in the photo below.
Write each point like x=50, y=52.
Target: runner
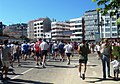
x=44, y=49
x=37, y=51
x=68, y=50
x=61, y=50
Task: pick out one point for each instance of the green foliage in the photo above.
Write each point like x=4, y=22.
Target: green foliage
x=114, y=4
x=93, y=0
x=116, y=51
x=106, y=5
x=118, y=21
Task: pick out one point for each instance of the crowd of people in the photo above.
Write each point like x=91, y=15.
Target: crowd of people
x=12, y=51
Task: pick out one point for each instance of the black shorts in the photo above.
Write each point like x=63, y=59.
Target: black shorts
x=61, y=51
x=83, y=61
x=38, y=54
x=68, y=54
x=98, y=52
x=55, y=50
x=25, y=53
x=44, y=52
x=16, y=56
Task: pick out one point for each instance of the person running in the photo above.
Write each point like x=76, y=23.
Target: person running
x=16, y=53
x=37, y=51
x=83, y=50
x=6, y=58
x=55, y=49
x=68, y=50
x=44, y=49
x=116, y=65
x=61, y=50
x=25, y=48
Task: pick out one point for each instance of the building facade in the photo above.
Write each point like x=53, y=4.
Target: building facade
x=92, y=28
x=109, y=28
x=38, y=28
x=60, y=31
x=77, y=28
x=16, y=30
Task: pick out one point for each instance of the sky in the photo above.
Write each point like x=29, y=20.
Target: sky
x=23, y=11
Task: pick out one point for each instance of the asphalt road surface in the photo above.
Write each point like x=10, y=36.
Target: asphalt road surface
x=57, y=72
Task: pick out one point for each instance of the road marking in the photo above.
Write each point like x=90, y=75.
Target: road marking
x=22, y=73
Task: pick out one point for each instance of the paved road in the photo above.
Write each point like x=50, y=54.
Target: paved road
x=57, y=72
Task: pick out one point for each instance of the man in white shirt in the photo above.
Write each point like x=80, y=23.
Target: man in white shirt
x=44, y=49
x=68, y=50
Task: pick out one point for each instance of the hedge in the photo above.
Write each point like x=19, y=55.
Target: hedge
x=116, y=51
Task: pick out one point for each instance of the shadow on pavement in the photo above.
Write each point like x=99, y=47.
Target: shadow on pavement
x=61, y=66
x=93, y=65
x=96, y=79
x=21, y=81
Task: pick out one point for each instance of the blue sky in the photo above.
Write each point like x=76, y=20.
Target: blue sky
x=22, y=11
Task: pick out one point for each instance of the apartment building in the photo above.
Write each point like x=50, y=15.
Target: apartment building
x=60, y=31
x=109, y=28
x=98, y=26
x=16, y=30
x=38, y=28
x=92, y=29
x=77, y=28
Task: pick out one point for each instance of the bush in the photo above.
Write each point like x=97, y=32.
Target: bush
x=116, y=51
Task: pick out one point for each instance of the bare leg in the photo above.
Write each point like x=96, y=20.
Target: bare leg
x=80, y=69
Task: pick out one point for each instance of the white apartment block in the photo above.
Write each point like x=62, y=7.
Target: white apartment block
x=109, y=28
x=38, y=28
x=77, y=28
x=59, y=31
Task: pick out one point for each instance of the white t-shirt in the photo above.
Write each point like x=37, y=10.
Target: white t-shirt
x=68, y=48
x=44, y=46
x=116, y=64
x=97, y=47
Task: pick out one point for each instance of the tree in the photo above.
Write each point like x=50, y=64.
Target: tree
x=106, y=6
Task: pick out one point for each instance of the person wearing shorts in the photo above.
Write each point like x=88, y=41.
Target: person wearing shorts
x=83, y=51
x=68, y=50
x=6, y=58
x=44, y=49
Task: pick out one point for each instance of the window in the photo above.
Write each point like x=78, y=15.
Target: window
x=113, y=19
x=37, y=23
x=114, y=29
x=41, y=34
x=107, y=29
x=35, y=34
x=35, y=31
x=76, y=26
x=107, y=34
x=34, y=24
x=41, y=23
x=113, y=24
x=114, y=34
